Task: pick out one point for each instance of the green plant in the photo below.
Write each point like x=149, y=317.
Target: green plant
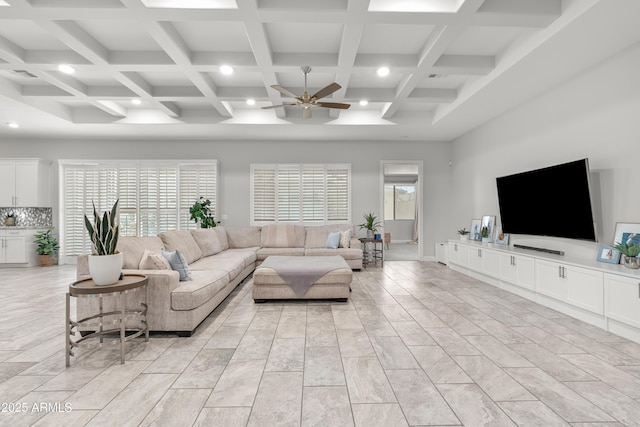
x=47, y=242
x=104, y=232
x=370, y=222
x=201, y=211
x=485, y=232
x=11, y=215
x=630, y=250
x=463, y=231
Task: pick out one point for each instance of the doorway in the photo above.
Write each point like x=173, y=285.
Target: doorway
x=401, y=200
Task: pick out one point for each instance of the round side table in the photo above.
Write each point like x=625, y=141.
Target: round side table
x=87, y=288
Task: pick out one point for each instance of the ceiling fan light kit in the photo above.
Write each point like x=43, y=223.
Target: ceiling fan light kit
x=307, y=101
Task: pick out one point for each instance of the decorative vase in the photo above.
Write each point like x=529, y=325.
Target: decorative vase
x=105, y=269
x=631, y=262
x=9, y=222
x=370, y=234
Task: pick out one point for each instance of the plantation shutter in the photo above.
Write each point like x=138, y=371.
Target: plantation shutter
x=128, y=204
x=264, y=195
x=308, y=194
x=196, y=180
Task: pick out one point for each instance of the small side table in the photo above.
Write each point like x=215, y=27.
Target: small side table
x=373, y=255
x=87, y=288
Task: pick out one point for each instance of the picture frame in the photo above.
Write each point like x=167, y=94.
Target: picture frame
x=489, y=221
x=502, y=238
x=608, y=254
x=474, y=234
x=623, y=231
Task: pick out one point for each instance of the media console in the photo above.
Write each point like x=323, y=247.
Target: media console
x=603, y=295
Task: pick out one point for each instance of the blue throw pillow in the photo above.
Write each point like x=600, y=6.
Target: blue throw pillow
x=178, y=263
x=333, y=240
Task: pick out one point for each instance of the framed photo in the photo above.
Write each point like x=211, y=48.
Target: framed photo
x=489, y=222
x=502, y=238
x=625, y=231
x=608, y=254
x=475, y=230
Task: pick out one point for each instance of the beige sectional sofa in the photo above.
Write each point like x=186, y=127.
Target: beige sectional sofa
x=218, y=259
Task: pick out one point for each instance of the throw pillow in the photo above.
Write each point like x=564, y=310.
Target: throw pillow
x=333, y=240
x=345, y=238
x=208, y=241
x=153, y=261
x=178, y=263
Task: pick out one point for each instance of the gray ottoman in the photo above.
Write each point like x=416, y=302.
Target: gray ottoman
x=278, y=277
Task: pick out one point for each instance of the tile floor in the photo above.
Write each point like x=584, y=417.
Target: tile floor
x=417, y=344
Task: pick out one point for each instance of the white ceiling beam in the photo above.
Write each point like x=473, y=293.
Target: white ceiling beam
x=14, y=92
x=259, y=41
x=10, y=51
x=433, y=49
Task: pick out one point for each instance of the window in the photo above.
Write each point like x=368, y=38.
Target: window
x=399, y=202
x=307, y=194
x=154, y=196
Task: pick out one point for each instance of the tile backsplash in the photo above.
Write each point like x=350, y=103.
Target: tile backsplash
x=29, y=217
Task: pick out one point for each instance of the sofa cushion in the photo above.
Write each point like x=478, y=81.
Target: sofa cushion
x=207, y=239
x=316, y=236
x=133, y=248
x=178, y=263
x=263, y=253
x=204, y=286
x=183, y=241
x=153, y=261
x=243, y=237
x=222, y=237
x=345, y=238
x=346, y=253
x=232, y=263
x=282, y=236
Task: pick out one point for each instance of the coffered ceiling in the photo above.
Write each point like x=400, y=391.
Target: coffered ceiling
x=453, y=64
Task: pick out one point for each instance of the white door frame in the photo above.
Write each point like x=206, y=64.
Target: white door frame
x=419, y=192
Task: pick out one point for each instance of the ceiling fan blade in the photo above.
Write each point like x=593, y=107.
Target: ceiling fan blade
x=327, y=90
x=284, y=91
x=276, y=106
x=338, y=105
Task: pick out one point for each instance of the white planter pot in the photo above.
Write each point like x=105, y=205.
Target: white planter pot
x=485, y=240
x=465, y=237
x=105, y=269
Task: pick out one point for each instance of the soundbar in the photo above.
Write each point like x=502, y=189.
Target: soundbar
x=533, y=248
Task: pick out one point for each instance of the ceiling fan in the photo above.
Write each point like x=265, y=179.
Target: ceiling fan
x=307, y=101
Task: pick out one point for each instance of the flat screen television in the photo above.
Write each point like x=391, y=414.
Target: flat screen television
x=553, y=201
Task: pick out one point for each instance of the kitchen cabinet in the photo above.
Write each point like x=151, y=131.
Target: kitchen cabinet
x=25, y=183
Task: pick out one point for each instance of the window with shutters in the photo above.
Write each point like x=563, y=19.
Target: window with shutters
x=306, y=194
x=154, y=196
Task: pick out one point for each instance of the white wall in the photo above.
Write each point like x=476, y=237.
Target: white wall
x=235, y=157
x=595, y=115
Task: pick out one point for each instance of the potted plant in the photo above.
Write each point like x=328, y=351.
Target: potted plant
x=464, y=234
x=105, y=264
x=201, y=211
x=10, y=219
x=630, y=252
x=370, y=224
x=485, y=234
x=47, y=246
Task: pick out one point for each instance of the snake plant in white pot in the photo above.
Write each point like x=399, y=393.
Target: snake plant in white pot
x=105, y=264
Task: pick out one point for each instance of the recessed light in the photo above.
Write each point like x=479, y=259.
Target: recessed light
x=67, y=69
x=383, y=71
x=13, y=125
x=136, y=101
x=226, y=70
x=364, y=103
x=251, y=101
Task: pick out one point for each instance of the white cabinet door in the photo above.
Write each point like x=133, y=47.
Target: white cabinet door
x=26, y=188
x=585, y=288
x=525, y=271
x=490, y=263
x=508, y=268
x=8, y=180
x=623, y=299
x=453, y=252
x=463, y=255
x=15, y=249
x=550, y=279
x=475, y=259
